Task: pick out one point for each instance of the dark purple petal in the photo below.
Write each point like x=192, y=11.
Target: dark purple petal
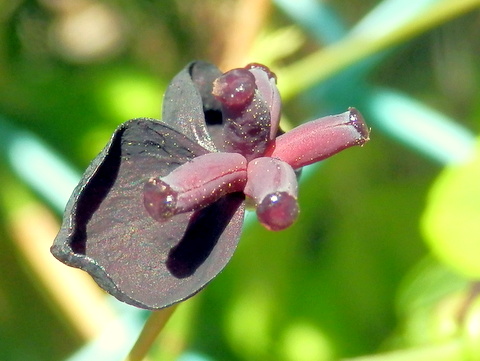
x=107, y=231
x=183, y=108
x=183, y=111
x=203, y=75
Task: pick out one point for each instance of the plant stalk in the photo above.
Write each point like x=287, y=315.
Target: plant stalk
x=152, y=328
x=450, y=351
x=356, y=46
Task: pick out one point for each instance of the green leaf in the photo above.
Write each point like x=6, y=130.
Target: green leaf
x=451, y=221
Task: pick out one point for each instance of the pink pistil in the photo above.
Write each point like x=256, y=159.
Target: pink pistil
x=319, y=139
x=272, y=184
x=195, y=184
x=266, y=85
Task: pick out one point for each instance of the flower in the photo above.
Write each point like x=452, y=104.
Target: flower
x=158, y=213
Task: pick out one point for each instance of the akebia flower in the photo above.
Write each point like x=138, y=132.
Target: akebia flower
x=158, y=213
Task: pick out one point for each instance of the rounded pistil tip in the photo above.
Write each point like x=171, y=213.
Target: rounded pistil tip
x=235, y=88
x=356, y=119
x=160, y=199
x=277, y=211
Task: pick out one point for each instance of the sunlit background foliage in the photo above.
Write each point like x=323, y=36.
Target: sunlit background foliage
x=386, y=253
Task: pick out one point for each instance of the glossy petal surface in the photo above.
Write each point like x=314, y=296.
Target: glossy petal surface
x=108, y=232
x=183, y=107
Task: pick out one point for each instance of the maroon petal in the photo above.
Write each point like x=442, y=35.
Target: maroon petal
x=183, y=104
x=107, y=231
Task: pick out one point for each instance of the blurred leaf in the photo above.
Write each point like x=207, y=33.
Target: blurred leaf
x=429, y=303
x=451, y=222
x=471, y=330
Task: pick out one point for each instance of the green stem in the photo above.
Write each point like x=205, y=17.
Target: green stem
x=152, y=328
x=357, y=45
x=450, y=351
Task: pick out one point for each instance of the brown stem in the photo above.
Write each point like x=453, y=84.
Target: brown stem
x=152, y=328
x=249, y=18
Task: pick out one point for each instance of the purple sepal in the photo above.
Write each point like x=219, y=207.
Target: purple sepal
x=107, y=231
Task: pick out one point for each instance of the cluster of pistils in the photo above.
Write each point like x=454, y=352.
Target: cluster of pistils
x=246, y=115
x=272, y=184
x=195, y=184
x=258, y=163
x=269, y=180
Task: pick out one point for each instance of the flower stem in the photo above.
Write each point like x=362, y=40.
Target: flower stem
x=248, y=19
x=450, y=351
x=152, y=328
x=360, y=44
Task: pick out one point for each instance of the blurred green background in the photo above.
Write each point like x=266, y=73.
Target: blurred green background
x=386, y=253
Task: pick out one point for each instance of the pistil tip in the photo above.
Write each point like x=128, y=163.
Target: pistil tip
x=159, y=199
x=356, y=119
x=277, y=211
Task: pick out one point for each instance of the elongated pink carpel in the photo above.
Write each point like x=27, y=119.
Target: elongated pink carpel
x=272, y=183
x=246, y=115
x=195, y=184
x=320, y=138
x=266, y=85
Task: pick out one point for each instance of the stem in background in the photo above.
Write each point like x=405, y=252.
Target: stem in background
x=450, y=351
x=152, y=328
x=249, y=17
x=33, y=227
x=324, y=63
